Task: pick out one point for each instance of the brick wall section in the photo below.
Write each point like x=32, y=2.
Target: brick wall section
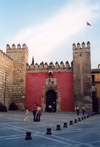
x=6, y=79
x=82, y=75
x=20, y=58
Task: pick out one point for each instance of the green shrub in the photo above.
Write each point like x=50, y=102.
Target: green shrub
x=3, y=108
x=13, y=106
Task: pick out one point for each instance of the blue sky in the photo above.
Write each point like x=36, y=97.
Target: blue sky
x=50, y=27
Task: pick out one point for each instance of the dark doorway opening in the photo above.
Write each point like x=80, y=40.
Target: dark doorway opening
x=51, y=101
x=95, y=102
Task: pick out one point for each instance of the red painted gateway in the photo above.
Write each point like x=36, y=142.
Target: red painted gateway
x=55, y=90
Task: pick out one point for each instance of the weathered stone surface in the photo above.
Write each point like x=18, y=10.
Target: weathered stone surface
x=6, y=79
x=82, y=75
x=20, y=58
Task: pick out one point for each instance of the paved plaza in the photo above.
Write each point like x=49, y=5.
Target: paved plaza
x=85, y=133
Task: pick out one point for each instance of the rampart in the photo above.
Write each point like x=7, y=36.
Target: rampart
x=44, y=67
x=6, y=78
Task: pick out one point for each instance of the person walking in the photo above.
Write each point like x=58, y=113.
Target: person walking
x=77, y=110
x=83, y=109
x=26, y=114
x=34, y=110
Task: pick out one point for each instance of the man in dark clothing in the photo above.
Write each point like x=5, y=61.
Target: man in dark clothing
x=34, y=112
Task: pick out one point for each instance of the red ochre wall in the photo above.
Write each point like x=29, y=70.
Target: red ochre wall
x=36, y=81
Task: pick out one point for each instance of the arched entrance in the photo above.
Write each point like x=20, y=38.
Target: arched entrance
x=51, y=100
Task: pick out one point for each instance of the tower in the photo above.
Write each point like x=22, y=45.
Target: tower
x=82, y=75
x=20, y=58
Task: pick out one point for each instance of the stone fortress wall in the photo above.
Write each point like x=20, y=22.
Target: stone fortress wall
x=6, y=78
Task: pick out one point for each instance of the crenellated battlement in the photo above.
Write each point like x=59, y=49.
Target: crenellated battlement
x=81, y=48
x=16, y=47
x=4, y=55
x=44, y=67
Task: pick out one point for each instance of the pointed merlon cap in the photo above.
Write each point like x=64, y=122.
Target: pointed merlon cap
x=88, y=44
x=7, y=46
x=56, y=62
x=18, y=46
x=67, y=62
x=24, y=46
x=74, y=46
x=42, y=63
x=78, y=45
x=61, y=62
x=51, y=63
x=83, y=45
x=46, y=63
x=36, y=64
x=13, y=46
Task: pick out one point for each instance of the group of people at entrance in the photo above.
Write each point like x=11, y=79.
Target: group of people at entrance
x=78, y=110
x=37, y=112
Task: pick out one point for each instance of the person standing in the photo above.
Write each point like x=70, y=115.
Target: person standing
x=77, y=110
x=83, y=109
x=34, y=110
x=26, y=114
x=39, y=113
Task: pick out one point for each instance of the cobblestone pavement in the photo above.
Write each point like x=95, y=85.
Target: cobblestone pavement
x=85, y=133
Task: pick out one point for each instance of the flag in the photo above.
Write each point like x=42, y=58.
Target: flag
x=88, y=24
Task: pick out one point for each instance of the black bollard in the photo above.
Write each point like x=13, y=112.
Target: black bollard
x=79, y=119
x=75, y=121
x=82, y=118
x=88, y=116
x=58, y=127
x=65, y=125
x=48, y=131
x=28, y=136
x=71, y=122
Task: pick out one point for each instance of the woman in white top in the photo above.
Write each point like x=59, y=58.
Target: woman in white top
x=39, y=113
